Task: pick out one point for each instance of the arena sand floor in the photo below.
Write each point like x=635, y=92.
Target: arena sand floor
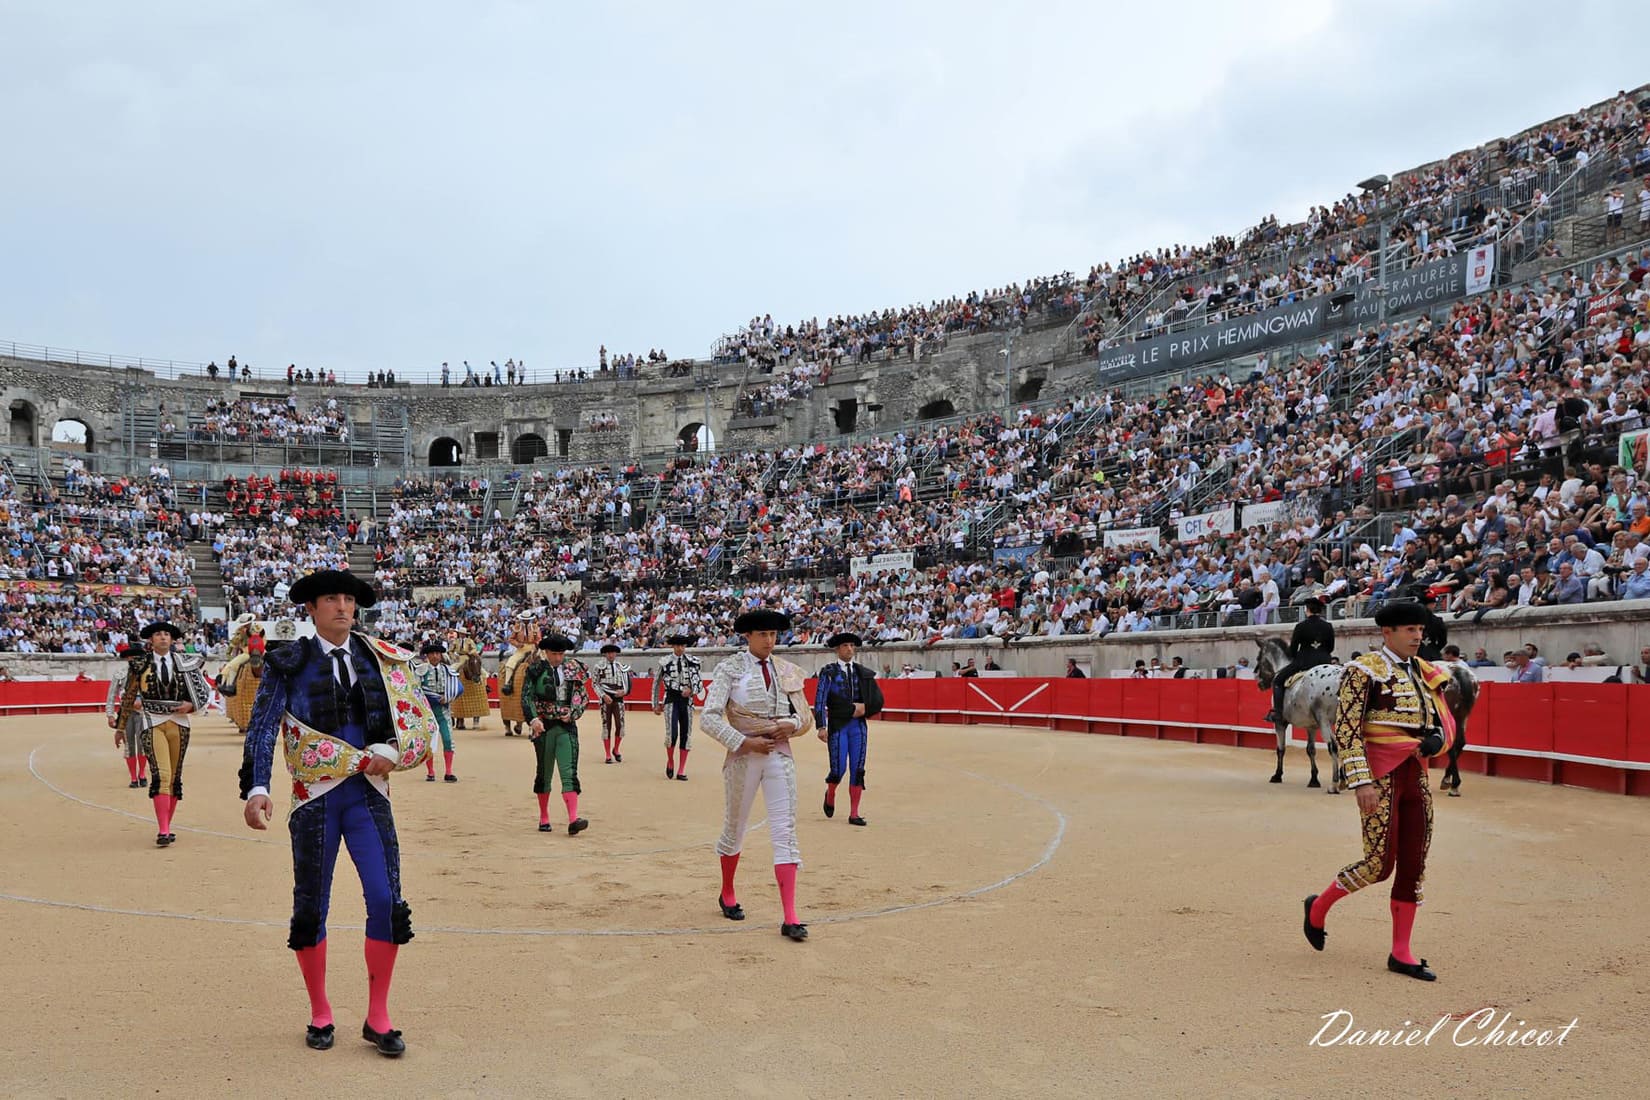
x=1028, y=913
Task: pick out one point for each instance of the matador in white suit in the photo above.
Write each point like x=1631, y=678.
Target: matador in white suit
x=755, y=706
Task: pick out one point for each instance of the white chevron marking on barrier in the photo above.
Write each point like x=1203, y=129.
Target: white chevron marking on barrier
x=1029, y=697
x=986, y=697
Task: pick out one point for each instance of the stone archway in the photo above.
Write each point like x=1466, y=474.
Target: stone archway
x=1029, y=390
x=528, y=448
x=936, y=410
x=73, y=434
x=23, y=424
x=696, y=436
x=446, y=451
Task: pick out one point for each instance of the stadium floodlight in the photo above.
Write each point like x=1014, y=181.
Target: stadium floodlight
x=1375, y=185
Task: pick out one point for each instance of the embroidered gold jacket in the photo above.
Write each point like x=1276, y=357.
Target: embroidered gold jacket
x=1378, y=700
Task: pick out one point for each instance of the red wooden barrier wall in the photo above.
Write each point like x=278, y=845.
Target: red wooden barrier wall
x=52, y=696
x=1585, y=735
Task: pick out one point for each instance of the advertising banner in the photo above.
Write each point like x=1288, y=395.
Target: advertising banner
x=1457, y=276
x=1251, y=332
x=1020, y=554
x=559, y=589
x=1124, y=537
x=433, y=593
x=1205, y=525
x=78, y=588
x=881, y=563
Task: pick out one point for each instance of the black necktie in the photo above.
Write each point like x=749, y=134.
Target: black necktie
x=340, y=679
x=165, y=673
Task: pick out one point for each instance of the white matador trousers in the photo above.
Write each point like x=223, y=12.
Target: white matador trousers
x=774, y=774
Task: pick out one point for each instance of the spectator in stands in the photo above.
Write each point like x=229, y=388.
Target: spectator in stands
x=1636, y=586
x=1522, y=670
x=1569, y=588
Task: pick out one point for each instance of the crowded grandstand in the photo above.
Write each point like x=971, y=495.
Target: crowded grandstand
x=1488, y=451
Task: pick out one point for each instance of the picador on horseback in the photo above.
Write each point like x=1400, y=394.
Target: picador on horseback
x=1434, y=634
x=1312, y=644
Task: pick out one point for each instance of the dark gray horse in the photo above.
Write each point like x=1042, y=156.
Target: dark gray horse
x=1309, y=702
x=1460, y=694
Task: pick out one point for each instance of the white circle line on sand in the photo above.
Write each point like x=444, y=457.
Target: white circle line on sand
x=1042, y=861
x=60, y=792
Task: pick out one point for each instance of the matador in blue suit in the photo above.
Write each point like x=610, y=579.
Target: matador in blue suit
x=345, y=711
x=847, y=695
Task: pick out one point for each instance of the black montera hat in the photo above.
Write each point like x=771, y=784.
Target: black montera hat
x=845, y=637
x=556, y=643
x=332, y=582
x=1401, y=613
x=762, y=618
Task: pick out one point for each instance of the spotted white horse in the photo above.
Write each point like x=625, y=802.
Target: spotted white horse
x=1309, y=702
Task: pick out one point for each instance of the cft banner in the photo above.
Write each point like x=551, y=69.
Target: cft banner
x=1205, y=525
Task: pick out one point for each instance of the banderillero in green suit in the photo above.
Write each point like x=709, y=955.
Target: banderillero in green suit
x=555, y=696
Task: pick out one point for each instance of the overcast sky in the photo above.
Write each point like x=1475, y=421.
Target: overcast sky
x=362, y=185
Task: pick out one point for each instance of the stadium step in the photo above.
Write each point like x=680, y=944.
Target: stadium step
x=205, y=575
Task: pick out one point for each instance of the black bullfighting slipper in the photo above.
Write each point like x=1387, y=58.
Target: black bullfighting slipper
x=1413, y=970
x=544, y=827
x=617, y=759
x=389, y=1043
x=134, y=784
x=797, y=932
x=830, y=808
x=318, y=1038
x=855, y=820
x=609, y=760
x=450, y=779
x=1314, y=936
x=732, y=912
x=430, y=778
x=160, y=840
x=171, y=838
x=681, y=777
x=670, y=773
x=577, y=826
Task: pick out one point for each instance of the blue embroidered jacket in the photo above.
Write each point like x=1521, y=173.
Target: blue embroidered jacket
x=835, y=696
x=297, y=678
